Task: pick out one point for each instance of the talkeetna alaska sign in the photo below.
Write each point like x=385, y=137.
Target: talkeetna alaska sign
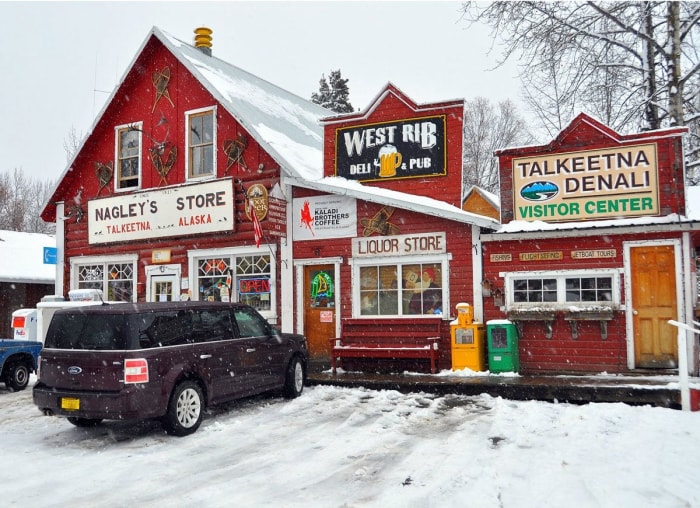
x=593, y=184
x=392, y=150
x=175, y=211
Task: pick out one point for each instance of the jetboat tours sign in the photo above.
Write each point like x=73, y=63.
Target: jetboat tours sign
x=392, y=150
x=175, y=211
x=594, y=184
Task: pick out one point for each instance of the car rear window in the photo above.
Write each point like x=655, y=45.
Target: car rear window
x=84, y=331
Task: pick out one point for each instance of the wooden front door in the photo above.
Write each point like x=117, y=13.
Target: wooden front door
x=319, y=308
x=653, y=304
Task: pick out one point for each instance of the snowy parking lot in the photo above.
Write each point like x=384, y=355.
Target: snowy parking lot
x=351, y=447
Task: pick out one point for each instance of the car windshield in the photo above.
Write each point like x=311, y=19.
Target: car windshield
x=84, y=331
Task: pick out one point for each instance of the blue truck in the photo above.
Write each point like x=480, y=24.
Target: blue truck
x=18, y=359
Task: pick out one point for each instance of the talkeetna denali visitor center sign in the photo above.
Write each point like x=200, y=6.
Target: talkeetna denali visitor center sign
x=392, y=150
x=592, y=184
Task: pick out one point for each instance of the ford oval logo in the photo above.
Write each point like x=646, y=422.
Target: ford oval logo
x=74, y=370
x=539, y=191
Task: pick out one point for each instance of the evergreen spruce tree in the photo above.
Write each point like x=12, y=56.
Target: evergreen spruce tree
x=333, y=93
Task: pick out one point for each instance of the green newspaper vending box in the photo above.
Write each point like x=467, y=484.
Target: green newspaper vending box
x=502, y=345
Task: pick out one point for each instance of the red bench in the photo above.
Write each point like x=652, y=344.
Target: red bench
x=387, y=338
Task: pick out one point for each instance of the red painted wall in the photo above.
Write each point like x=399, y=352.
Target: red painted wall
x=394, y=105
x=588, y=353
x=132, y=103
x=585, y=133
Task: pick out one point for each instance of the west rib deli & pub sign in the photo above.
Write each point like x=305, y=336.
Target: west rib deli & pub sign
x=392, y=150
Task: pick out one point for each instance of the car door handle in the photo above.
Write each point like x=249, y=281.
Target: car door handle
x=204, y=357
x=250, y=350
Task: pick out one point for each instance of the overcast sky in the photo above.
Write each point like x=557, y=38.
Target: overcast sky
x=60, y=61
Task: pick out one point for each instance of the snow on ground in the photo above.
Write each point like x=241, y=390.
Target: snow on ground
x=351, y=447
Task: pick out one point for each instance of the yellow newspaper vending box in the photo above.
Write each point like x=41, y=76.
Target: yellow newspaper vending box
x=468, y=344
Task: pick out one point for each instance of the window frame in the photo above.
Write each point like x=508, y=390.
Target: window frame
x=105, y=261
x=137, y=128
x=560, y=276
x=234, y=253
x=189, y=115
x=400, y=261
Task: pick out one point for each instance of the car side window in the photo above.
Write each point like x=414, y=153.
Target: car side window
x=165, y=329
x=250, y=323
x=211, y=325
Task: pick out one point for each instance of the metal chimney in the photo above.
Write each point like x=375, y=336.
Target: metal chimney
x=202, y=39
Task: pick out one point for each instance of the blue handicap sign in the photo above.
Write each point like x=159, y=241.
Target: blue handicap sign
x=50, y=255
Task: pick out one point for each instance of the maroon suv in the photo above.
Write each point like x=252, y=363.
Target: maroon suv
x=162, y=360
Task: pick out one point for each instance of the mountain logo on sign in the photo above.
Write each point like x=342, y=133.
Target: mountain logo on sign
x=539, y=191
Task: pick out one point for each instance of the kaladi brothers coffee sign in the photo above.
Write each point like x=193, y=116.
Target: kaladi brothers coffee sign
x=174, y=211
x=392, y=150
x=587, y=185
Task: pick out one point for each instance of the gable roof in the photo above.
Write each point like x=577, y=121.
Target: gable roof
x=570, y=136
x=24, y=253
x=285, y=125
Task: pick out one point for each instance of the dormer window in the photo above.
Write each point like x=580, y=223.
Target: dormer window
x=201, y=140
x=128, y=156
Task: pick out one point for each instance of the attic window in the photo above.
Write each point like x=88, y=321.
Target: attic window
x=200, y=144
x=128, y=147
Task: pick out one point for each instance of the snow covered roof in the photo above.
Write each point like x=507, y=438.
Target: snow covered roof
x=285, y=125
x=22, y=258
x=490, y=197
x=420, y=204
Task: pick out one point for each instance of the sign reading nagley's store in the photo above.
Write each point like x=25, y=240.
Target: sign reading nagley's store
x=392, y=150
x=175, y=211
x=594, y=184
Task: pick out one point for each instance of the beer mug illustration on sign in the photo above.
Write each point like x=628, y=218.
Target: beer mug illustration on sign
x=389, y=161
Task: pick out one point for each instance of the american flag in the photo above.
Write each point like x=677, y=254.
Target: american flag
x=257, y=228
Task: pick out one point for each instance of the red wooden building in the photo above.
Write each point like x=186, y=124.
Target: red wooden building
x=596, y=252
x=359, y=215
x=154, y=204
x=383, y=228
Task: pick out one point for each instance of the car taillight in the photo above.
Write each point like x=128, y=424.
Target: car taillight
x=136, y=370
x=18, y=321
x=38, y=366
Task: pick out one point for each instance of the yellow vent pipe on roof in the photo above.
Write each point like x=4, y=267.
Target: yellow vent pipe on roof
x=202, y=39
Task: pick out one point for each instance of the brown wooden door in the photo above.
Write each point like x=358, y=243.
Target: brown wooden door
x=654, y=303
x=319, y=309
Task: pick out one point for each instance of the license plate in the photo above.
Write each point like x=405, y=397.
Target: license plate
x=70, y=404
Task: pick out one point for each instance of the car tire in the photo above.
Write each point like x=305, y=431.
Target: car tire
x=294, y=379
x=17, y=375
x=185, y=409
x=84, y=422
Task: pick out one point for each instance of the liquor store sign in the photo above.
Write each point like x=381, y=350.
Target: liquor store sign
x=593, y=184
x=392, y=150
x=174, y=211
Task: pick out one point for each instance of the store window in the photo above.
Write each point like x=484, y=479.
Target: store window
x=128, y=156
x=562, y=288
x=400, y=289
x=201, y=140
x=234, y=275
x=116, y=278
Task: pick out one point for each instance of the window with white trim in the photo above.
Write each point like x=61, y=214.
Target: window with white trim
x=201, y=140
x=128, y=156
x=115, y=277
x=237, y=275
x=399, y=288
x=562, y=289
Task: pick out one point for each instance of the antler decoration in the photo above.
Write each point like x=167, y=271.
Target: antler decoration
x=163, y=168
x=104, y=173
x=234, y=148
x=161, y=79
x=380, y=224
